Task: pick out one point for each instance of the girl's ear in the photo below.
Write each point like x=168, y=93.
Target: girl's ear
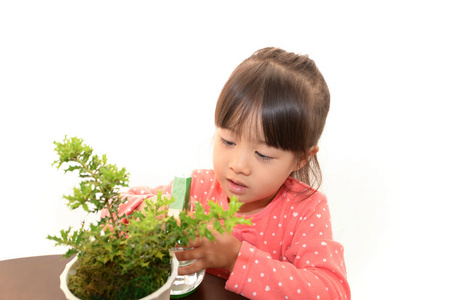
x=305, y=158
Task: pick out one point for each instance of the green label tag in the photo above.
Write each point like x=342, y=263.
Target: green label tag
x=181, y=193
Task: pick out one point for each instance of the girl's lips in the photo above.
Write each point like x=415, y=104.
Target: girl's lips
x=236, y=187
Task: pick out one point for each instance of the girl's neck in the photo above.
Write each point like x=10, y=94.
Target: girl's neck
x=252, y=208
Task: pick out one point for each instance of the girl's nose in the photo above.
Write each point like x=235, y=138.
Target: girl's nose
x=239, y=163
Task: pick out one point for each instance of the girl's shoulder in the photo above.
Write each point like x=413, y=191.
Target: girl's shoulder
x=205, y=187
x=201, y=174
x=203, y=178
x=298, y=193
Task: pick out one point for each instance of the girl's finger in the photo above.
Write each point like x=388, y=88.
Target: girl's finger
x=193, y=268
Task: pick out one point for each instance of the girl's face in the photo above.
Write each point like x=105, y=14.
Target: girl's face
x=250, y=169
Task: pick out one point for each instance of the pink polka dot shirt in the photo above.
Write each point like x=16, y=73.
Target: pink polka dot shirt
x=288, y=252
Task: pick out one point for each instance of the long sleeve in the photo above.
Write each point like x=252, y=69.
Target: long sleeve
x=290, y=254
x=136, y=195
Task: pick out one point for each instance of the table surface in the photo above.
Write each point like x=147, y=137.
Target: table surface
x=38, y=278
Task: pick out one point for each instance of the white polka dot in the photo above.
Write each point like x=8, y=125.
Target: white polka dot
x=291, y=277
x=311, y=225
x=254, y=294
x=256, y=261
x=267, y=288
x=274, y=269
x=280, y=283
x=244, y=266
x=304, y=245
x=323, y=243
x=298, y=291
x=249, y=279
x=236, y=286
x=318, y=216
x=262, y=274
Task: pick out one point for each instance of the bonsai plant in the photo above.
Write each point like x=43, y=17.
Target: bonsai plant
x=125, y=256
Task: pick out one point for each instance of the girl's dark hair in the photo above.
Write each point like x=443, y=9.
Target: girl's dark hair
x=287, y=95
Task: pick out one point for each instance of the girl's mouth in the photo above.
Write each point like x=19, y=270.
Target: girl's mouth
x=236, y=187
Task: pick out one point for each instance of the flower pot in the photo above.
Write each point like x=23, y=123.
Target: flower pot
x=161, y=294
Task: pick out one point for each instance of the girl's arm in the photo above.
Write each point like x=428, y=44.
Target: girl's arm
x=309, y=264
x=135, y=198
x=257, y=275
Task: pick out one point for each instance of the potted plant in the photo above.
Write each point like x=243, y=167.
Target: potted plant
x=125, y=256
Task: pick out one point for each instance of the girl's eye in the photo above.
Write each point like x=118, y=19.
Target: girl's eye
x=227, y=143
x=263, y=157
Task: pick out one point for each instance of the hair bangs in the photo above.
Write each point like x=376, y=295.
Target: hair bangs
x=284, y=117
x=261, y=102
x=240, y=103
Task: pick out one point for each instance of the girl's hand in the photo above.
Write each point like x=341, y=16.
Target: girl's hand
x=222, y=253
x=142, y=205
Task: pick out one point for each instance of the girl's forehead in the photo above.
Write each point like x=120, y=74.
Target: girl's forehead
x=250, y=129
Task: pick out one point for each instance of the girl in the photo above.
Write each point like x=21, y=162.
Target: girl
x=269, y=118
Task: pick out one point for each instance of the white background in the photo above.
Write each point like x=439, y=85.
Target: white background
x=139, y=81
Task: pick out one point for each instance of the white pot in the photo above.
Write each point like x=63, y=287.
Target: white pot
x=161, y=294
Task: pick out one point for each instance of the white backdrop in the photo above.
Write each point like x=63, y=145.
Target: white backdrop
x=139, y=81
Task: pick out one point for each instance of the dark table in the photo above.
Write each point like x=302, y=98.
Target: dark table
x=38, y=278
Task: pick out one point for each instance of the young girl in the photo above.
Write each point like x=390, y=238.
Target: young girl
x=269, y=118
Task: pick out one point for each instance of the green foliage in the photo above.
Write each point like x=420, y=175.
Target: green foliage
x=126, y=260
